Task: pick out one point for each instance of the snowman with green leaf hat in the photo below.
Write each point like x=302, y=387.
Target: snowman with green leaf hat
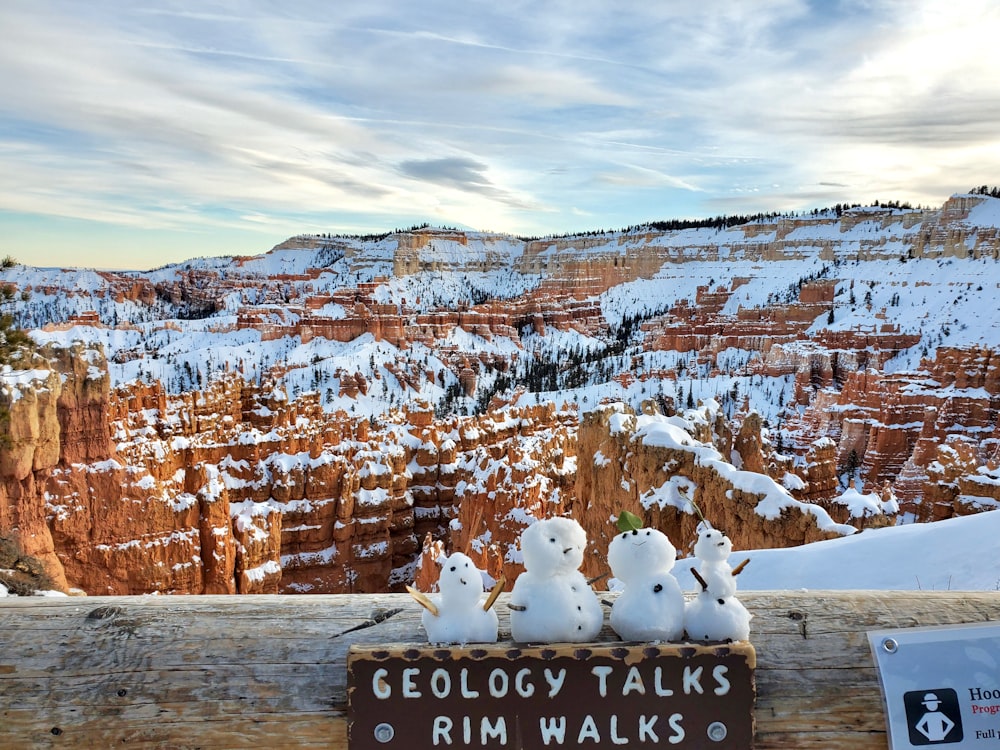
x=651, y=606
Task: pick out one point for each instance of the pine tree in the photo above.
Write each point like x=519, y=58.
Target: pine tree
x=12, y=339
x=14, y=345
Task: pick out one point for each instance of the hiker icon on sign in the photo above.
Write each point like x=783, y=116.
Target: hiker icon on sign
x=933, y=716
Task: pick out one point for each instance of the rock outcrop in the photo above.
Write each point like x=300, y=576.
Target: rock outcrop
x=655, y=467
x=238, y=490
x=893, y=427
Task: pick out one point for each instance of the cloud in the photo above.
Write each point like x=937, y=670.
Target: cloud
x=455, y=172
x=548, y=88
x=463, y=174
x=521, y=117
x=639, y=177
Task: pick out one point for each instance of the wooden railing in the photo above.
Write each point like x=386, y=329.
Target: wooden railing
x=270, y=671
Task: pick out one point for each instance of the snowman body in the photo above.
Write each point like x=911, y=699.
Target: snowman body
x=651, y=607
x=711, y=618
x=715, y=614
x=461, y=617
x=720, y=579
x=552, y=601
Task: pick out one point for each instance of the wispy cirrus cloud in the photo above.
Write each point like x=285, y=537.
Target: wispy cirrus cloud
x=526, y=117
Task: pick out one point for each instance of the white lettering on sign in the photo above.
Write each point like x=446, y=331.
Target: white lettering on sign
x=692, y=681
x=615, y=739
x=675, y=723
x=633, y=683
x=524, y=689
x=466, y=693
x=499, y=683
x=554, y=685
x=661, y=691
x=646, y=728
x=719, y=673
x=552, y=728
x=441, y=731
x=602, y=679
x=488, y=730
x=588, y=731
x=380, y=687
x=409, y=688
x=441, y=683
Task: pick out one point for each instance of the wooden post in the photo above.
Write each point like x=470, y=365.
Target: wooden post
x=270, y=671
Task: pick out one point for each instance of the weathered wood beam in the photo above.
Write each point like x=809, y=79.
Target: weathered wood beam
x=270, y=671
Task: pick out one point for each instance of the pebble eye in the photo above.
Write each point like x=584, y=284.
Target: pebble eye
x=648, y=532
x=625, y=535
x=553, y=540
x=635, y=532
x=452, y=568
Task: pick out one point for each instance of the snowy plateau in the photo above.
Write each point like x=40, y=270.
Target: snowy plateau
x=332, y=415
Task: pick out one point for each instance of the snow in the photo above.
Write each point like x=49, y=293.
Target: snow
x=985, y=214
x=13, y=382
x=322, y=557
x=676, y=492
x=715, y=613
x=675, y=433
x=862, y=506
x=650, y=606
x=460, y=616
x=259, y=573
x=956, y=554
x=552, y=601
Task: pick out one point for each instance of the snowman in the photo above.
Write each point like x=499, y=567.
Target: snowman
x=651, y=608
x=715, y=614
x=551, y=600
x=459, y=615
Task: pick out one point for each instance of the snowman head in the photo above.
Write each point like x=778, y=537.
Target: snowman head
x=712, y=545
x=635, y=554
x=553, y=546
x=461, y=583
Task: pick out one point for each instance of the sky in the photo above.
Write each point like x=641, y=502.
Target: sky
x=134, y=134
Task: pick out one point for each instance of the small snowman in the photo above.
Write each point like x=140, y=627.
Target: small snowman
x=651, y=608
x=459, y=615
x=552, y=601
x=715, y=614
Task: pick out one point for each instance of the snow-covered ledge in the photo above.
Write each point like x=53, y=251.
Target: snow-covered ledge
x=270, y=671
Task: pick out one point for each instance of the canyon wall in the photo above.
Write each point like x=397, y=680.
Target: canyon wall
x=245, y=486
x=238, y=490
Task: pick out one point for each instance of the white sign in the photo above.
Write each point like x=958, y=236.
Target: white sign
x=941, y=685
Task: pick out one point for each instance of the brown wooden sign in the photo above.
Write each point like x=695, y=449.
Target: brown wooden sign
x=565, y=695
